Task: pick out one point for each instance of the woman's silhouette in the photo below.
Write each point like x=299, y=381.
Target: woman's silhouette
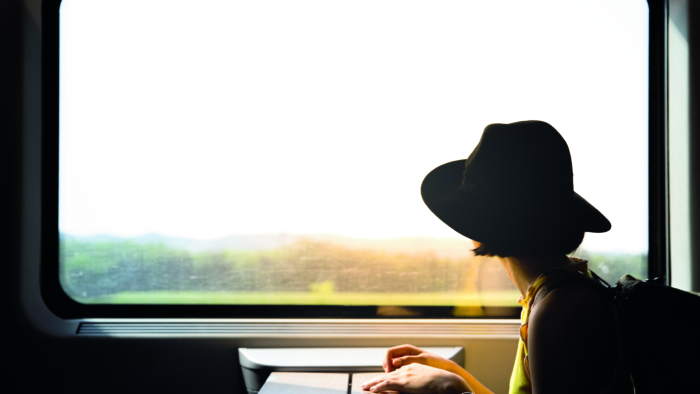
x=514, y=197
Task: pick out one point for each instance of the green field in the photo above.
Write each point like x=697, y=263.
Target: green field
x=496, y=298
x=410, y=273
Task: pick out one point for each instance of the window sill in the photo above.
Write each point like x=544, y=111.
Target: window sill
x=323, y=328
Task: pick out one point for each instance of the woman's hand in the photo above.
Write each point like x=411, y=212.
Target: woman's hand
x=408, y=355
x=398, y=356
x=418, y=378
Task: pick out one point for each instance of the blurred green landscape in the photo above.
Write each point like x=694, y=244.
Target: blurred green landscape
x=296, y=270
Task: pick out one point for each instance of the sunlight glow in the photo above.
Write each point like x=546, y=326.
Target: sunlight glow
x=202, y=120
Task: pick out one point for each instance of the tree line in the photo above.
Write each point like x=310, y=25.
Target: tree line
x=99, y=268
x=92, y=269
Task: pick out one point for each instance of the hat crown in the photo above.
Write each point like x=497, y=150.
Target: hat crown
x=515, y=187
x=528, y=154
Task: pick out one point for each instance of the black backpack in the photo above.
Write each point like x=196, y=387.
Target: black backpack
x=659, y=333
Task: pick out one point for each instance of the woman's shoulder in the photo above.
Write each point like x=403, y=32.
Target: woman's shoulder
x=574, y=312
x=572, y=300
x=572, y=338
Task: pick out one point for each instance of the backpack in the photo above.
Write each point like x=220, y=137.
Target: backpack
x=658, y=329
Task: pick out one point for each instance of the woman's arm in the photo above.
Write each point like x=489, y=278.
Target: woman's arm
x=476, y=386
x=399, y=356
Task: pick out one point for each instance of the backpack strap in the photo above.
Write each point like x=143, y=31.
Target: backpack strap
x=600, y=280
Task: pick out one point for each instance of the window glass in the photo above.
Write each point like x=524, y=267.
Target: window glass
x=272, y=152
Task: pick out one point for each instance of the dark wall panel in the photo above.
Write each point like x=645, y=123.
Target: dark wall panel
x=694, y=52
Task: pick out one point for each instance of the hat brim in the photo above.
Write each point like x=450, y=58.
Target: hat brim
x=481, y=221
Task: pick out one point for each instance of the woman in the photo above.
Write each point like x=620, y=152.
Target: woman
x=514, y=197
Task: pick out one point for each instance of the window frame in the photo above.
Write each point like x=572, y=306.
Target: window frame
x=65, y=307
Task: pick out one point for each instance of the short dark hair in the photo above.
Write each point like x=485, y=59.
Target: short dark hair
x=567, y=241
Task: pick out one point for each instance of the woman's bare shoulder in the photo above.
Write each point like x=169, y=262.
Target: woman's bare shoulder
x=572, y=339
x=570, y=311
x=572, y=300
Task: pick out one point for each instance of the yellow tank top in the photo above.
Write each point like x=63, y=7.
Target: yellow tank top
x=519, y=381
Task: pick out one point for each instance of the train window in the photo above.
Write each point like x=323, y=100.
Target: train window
x=265, y=158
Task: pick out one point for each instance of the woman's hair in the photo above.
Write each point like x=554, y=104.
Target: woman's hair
x=567, y=241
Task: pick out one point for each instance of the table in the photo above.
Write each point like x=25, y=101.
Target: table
x=316, y=383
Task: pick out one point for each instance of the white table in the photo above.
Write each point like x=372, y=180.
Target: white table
x=316, y=383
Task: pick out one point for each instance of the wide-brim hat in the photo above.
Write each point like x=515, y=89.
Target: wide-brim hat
x=517, y=185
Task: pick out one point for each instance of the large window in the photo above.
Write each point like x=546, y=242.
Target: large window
x=271, y=152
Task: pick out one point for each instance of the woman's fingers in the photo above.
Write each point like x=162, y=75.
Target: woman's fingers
x=418, y=378
x=398, y=351
x=405, y=360
x=390, y=354
x=387, y=363
x=373, y=382
x=375, y=385
x=387, y=384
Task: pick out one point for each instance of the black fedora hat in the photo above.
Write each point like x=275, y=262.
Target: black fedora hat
x=516, y=186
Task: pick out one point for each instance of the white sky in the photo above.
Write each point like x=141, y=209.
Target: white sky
x=211, y=118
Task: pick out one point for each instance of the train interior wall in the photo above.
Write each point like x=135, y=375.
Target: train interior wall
x=43, y=361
